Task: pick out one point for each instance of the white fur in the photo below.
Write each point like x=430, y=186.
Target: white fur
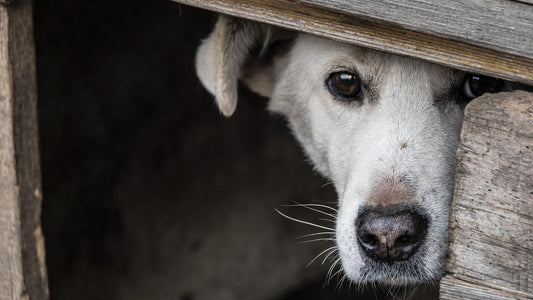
x=402, y=131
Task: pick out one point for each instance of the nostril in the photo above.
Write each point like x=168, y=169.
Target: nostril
x=369, y=241
x=405, y=243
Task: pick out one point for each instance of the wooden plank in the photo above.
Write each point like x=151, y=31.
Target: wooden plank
x=23, y=274
x=452, y=288
x=376, y=35
x=492, y=211
x=11, y=279
x=501, y=25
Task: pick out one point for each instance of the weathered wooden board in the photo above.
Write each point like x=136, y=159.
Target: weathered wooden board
x=452, y=288
x=367, y=32
x=500, y=25
x=22, y=265
x=491, y=224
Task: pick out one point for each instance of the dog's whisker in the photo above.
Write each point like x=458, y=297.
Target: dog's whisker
x=332, y=233
x=316, y=240
x=303, y=222
x=340, y=282
x=373, y=287
x=327, y=220
x=311, y=206
x=349, y=284
x=329, y=254
x=330, y=271
x=326, y=184
x=334, y=274
x=390, y=291
x=320, y=254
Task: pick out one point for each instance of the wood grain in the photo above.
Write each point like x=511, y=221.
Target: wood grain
x=345, y=27
x=11, y=279
x=501, y=25
x=22, y=264
x=491, y=223
x=452, y=288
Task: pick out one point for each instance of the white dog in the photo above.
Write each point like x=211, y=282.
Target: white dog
x=383, y=128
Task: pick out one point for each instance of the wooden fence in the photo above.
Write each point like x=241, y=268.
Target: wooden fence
x=490, y=254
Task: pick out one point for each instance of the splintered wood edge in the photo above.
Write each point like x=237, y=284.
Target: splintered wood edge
x=346, y=28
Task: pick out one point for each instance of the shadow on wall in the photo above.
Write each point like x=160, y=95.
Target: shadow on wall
x=149, y=192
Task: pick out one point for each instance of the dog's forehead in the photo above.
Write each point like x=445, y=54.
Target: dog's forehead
x=320, y=55
x=325, y=54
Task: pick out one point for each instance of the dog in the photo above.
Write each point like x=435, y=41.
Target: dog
x=383, y=128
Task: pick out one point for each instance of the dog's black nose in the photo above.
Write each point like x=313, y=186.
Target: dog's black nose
x=388, y=235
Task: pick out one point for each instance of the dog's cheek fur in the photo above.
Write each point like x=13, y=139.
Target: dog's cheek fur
x=294, y=96
x=314, y=116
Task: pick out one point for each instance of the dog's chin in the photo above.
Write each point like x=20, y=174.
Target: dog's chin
x=396, y=274
x=411, y=272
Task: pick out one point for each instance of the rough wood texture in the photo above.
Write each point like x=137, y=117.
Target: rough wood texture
x=22, y=265
x=492, y=212
x=500, y=25
x=346, y=27
x=452, y=288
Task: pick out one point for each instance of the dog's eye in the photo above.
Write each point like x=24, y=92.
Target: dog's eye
x=477, y=85
x=346, y=86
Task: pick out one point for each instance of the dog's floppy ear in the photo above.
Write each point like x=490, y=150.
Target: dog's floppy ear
x=236, y=49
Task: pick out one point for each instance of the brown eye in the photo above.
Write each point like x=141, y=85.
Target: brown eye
x=345, y=86
x=477, y=85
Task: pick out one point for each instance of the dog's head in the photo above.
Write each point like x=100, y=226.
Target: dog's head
x=383, y=128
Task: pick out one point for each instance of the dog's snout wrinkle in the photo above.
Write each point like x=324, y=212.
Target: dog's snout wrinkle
x=387, y=235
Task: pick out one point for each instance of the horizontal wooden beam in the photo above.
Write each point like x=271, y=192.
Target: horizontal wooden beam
x=501, y=25
x=348, y=28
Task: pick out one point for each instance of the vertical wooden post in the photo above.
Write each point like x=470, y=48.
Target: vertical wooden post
x=491, y=223
x=22, y=265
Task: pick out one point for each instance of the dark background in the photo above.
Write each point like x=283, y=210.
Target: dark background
x=142, y=175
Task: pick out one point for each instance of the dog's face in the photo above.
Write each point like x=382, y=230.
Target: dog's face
x=383, y=128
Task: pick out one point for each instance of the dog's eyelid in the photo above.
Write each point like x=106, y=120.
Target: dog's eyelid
x=342, y=68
